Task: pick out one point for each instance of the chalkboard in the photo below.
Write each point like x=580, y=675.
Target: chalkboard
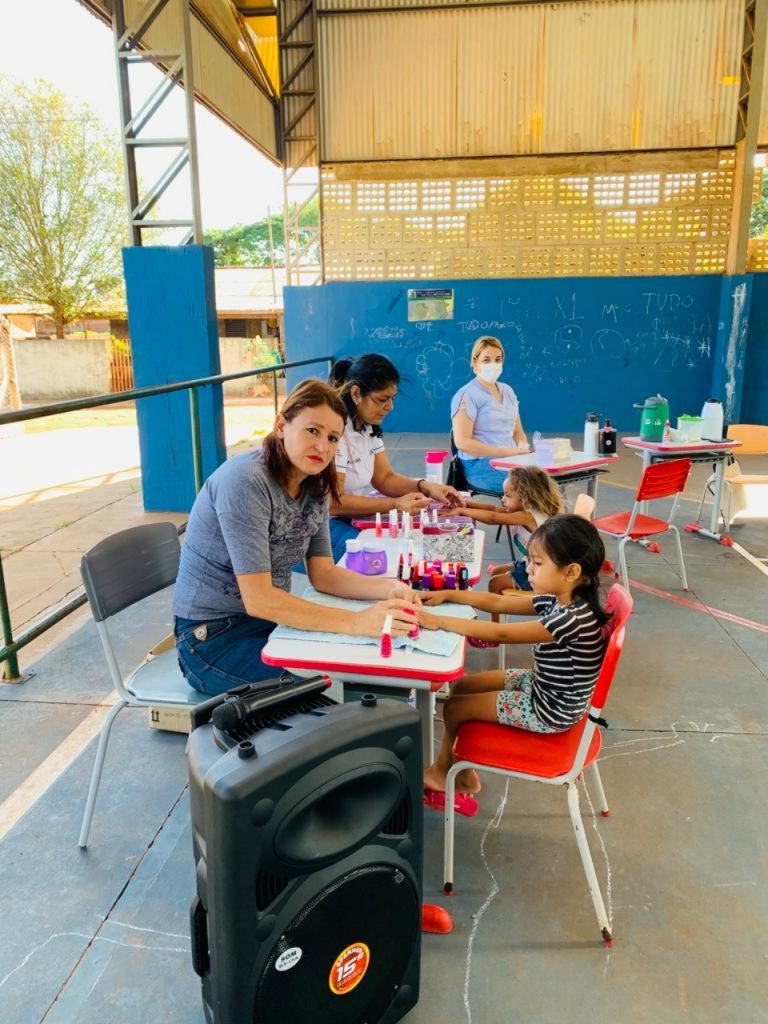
x=572, y=345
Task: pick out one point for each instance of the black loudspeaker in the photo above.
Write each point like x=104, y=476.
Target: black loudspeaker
x=307, y=833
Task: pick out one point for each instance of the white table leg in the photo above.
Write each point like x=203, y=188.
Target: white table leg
x=592, y=487
x=425, y=705
x=647, y=459
x=717, y=497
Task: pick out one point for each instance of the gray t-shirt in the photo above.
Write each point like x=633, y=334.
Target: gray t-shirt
x=244, y=521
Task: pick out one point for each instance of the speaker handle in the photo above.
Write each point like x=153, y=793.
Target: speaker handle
x=198, y=928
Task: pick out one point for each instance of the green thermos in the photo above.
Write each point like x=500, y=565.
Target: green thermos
x=653, y=417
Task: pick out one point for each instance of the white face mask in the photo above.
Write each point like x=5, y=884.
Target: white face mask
x=490, y=372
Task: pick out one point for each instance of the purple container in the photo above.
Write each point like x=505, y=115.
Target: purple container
x=374, y=560
x=354, y=557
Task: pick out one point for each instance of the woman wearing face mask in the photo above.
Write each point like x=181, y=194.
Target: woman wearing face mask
x=485, y=417
x=255, y=516
x=368, y=385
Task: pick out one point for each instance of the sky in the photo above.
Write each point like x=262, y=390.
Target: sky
x=61, y=41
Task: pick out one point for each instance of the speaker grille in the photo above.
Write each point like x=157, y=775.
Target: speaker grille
x=376, y=906
x=278, y=713
x=397, y=825
x=268, y=888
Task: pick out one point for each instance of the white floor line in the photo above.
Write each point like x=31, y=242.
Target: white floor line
x=493, y=823
x=750, y=557
x=28, y=792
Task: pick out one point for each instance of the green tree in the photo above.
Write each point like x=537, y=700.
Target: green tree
x=247, y=245
x=758, y=224
x=62, y=208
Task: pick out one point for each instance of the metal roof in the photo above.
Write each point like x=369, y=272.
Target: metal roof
x=234, y=60
x=515, y=78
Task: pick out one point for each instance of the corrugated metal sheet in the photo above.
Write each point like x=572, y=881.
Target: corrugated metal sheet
x=604, y=75
x=221, y=79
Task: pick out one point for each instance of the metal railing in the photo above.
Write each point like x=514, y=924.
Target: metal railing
x=11, y=646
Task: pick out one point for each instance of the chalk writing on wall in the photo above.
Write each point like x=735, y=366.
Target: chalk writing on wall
x=566, y=342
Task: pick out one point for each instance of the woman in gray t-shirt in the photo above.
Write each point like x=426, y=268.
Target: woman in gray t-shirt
x=256, y=516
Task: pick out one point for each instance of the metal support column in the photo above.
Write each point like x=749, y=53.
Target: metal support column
x=750, y=101
x=300, y=135
x=176, y=66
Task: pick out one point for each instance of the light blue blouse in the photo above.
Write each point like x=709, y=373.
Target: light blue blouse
x=492, y=422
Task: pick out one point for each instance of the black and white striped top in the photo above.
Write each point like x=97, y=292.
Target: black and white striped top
x=565, y=671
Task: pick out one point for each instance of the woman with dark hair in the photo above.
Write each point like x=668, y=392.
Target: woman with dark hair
x=256, y=515
x=368, y=385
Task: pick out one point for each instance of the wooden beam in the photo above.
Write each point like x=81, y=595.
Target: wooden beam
x=500, y=167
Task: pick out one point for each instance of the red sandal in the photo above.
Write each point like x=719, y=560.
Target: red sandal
x=474, y=642
x=463, y=803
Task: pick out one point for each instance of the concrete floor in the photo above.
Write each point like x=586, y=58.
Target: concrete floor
x=102, y=935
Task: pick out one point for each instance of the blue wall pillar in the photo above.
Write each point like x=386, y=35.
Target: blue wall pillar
x=731, y=344
x=174, y=337
x=754, y=405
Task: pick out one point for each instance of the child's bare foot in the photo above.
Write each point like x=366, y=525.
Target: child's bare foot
x=468, y=781
x=434, y=779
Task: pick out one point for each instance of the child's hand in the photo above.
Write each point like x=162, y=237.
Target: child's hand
x=494, y=570
x=402, y=592
x=427, y=620
x=434, y=597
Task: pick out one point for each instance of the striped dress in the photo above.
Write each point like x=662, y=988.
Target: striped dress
x=565, y=670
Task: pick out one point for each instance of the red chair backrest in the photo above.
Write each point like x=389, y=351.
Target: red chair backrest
x=619, y=604
x=663, y=479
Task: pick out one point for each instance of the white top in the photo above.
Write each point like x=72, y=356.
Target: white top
x=354, y=458
x=523, y=534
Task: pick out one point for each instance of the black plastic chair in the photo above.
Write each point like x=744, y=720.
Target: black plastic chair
x=457, y=478
x=117, y=572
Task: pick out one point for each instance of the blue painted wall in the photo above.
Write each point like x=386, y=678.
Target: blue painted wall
x=174, y=337
x=754, y=403
x=572, y=345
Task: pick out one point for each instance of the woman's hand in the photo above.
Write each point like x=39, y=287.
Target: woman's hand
x=427, y=620
x=411, y=503
x=371, y=621
x=442, y=492
x=435, y=597
x=402, y=592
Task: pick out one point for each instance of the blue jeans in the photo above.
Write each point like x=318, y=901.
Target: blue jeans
x=229, y=655
x=482, y=476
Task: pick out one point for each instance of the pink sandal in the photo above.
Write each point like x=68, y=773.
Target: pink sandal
x=463, y=803
x=474, y=642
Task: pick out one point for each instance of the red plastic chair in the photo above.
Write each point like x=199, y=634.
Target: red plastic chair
x=660, y=480
x=554, y=758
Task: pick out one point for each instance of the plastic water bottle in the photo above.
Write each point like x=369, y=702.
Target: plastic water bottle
x=712, y=414
x=433, y=466
x=591, y=433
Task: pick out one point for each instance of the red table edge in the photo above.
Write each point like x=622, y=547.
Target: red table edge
x=600, y=461
x=368, y=670
x=681, y=447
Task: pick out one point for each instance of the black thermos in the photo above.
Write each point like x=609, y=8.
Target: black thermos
x=607, y=439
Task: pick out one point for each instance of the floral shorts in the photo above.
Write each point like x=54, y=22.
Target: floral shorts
x=513, y=705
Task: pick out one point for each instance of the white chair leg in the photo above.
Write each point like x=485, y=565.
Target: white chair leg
x=450, y=797
x=623, y=562
x=707, y=490
x=93, y=789
x=599, y=791
x=586, y=861
x=683, y=575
